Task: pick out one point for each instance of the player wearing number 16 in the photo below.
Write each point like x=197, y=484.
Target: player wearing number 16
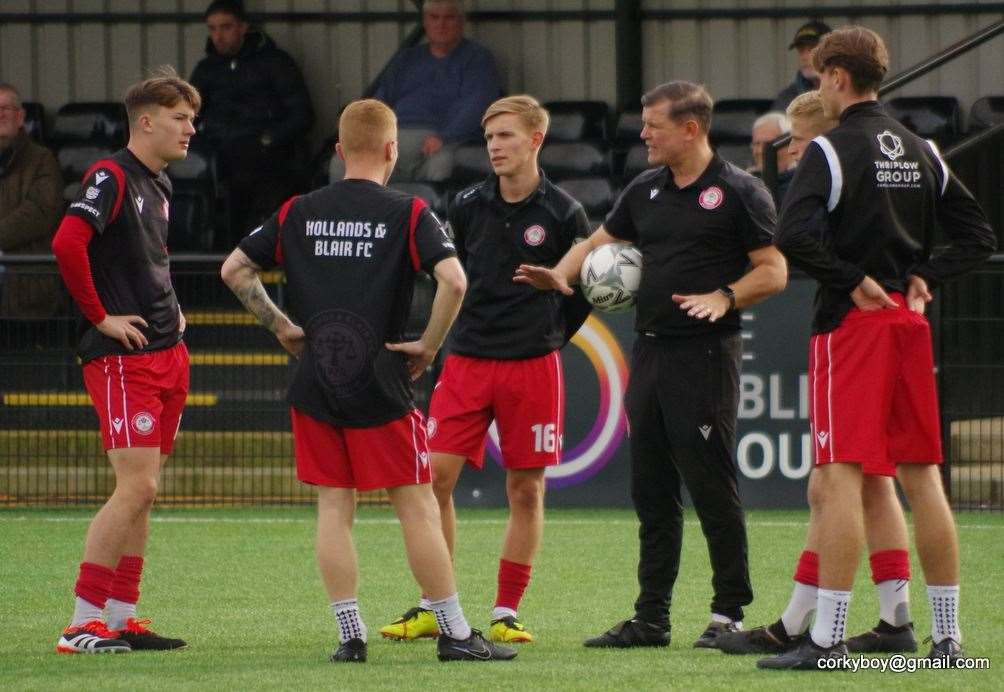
x=503, y=361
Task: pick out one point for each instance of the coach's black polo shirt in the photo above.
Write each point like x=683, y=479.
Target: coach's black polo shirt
x=500, y=318
x=692, y=240
x=351, y=251
x=127, y=205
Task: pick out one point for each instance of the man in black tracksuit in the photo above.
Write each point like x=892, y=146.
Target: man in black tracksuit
x=700, y=223
x=256, y=111
x=874, y=408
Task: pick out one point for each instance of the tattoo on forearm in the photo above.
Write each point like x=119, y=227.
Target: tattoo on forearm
x=252, y=294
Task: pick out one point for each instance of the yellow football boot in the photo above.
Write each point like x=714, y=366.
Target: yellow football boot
x=509, y=630
x=417, y=623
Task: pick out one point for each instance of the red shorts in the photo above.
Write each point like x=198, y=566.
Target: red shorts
x=526, y=398
x=384, y=456
x=139, y=398
x=874, y=400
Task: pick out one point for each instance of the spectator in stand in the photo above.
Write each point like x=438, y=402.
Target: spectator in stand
x=31, y=203
x=438, y=90
x=255, y=112
x=806, y=79
x=766, y=129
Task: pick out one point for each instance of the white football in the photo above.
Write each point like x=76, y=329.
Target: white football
x=610, y=276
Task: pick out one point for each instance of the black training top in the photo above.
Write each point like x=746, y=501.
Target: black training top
x=350, y=252
x=692, y=240
x=127, y=205
x=883, y=192
x=501, y=318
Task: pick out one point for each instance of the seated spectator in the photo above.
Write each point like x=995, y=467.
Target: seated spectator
x=31, y=204
x=806, y=79
x=766, y=129
x=255, y=113
x=438, y=90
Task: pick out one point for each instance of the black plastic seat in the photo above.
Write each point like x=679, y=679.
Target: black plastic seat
x=427, y=192
x=194, y=201
x=596, y=194
x=575, y=159
x=986, y=112
x=628, y=130
x=34, y=120
x=75, y=159
x=635, y=162
x=99, y=122
x=931, y=117
x=572, y=121
x=732, y=119
x=470, y=164
x=736, y=153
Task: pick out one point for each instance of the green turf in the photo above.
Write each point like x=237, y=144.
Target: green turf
x=242, y=587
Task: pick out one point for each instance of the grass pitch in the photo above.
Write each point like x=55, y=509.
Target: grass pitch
x=242, y=587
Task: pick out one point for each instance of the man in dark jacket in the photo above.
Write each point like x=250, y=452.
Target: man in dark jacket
x=256, y=109
x=806, y=79
x=31, y=202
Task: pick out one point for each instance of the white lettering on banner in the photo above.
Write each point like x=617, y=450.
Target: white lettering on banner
x=757, y=454
x=757, y=396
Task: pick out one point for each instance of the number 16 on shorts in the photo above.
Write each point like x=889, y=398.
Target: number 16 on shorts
x=546, y=438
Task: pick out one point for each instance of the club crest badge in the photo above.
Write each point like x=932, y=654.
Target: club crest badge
x=534, y=235
x=711, y=198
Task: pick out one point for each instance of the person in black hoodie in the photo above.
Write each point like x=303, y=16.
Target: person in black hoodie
x=256, y=109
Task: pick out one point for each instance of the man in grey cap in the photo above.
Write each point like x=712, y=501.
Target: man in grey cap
x=806, y=79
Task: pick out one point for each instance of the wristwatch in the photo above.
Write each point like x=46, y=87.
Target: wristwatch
x=730, y=294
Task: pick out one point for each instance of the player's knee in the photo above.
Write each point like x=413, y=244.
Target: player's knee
x=442, y=488
x=140, y=492
x=526, y=495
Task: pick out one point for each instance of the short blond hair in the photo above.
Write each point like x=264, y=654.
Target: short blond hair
x=365, y=126
x=163, y=88
x=808, y=107
x=527, y=108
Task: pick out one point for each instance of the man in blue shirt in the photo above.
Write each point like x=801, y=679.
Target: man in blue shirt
x=438, y=90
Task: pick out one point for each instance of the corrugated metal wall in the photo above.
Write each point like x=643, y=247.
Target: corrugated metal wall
x=56, y=64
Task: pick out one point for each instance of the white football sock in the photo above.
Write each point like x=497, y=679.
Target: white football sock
x=798, y=615
x=84, y=611
x=894, y=601
x=944, y=613
x=831, y=617
x=450, y=618
x=350, y=623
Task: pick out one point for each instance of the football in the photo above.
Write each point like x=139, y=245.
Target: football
x=610, y=276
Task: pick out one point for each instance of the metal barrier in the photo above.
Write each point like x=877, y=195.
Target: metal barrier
x=234, y=446
x=970, y=338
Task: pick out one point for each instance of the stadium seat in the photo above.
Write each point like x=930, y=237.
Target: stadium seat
x=574, y=159
x=635, y=162
x=193, y=203
x=736, y=153
x=34, y=120
x=96, y=123
x=628, y=132
x=75, y=159
x=596, y=194
x=732, y=119
x=986, y=112
x=470, y=164
x=426, y=191
x=931, y=117
x=572, y=121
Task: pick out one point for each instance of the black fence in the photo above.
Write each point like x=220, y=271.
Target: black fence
x=234, y=447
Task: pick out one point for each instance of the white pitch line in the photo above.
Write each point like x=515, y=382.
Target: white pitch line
x=390, y=521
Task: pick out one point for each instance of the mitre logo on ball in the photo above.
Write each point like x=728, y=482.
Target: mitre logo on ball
x=610, y=276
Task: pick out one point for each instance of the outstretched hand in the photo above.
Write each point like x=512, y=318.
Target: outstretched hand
x=542, y=278
x=419, y=356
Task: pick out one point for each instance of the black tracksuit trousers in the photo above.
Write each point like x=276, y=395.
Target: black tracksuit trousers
x=682, y=404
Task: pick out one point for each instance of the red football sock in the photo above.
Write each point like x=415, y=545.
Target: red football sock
x=807, y=571
x=125, y=588
x=513, y=579
x=890, y=564
x=94, y=583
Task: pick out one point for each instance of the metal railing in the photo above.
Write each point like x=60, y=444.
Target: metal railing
x=234, y=446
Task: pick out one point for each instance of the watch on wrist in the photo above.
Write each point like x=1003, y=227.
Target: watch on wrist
x=730, y=294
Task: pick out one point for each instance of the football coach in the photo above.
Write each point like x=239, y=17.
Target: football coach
x=705, y=230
